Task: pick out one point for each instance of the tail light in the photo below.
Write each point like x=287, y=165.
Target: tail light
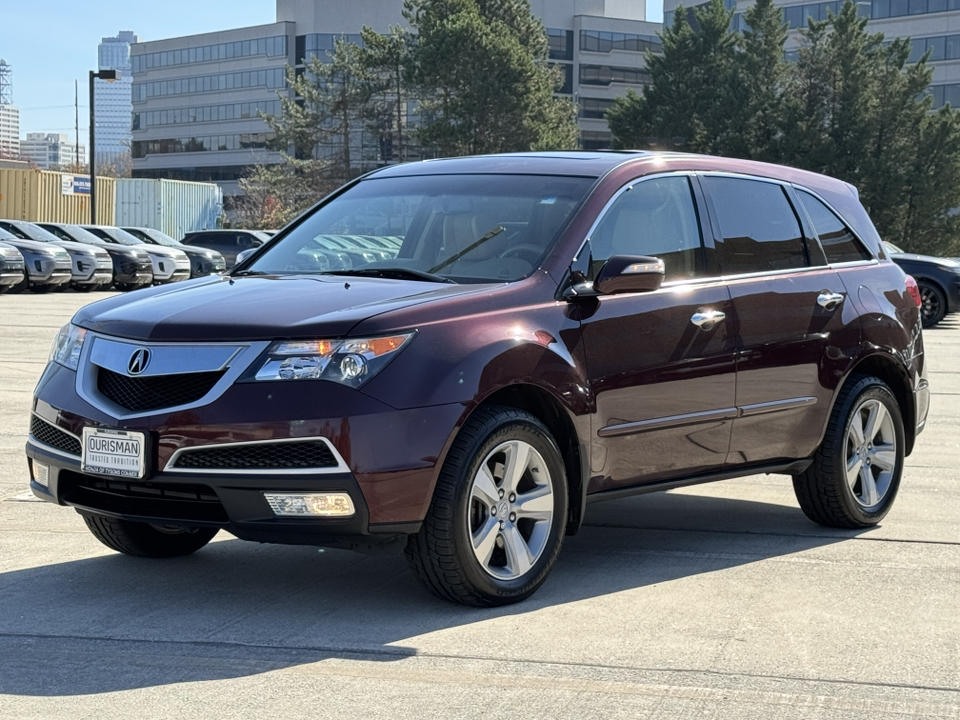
x=914, y=290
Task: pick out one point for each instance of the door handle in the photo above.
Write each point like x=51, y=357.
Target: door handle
x=706, y=319
x=829, y=300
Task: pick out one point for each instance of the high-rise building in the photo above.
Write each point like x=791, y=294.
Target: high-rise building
x=113, y=100
x=49, y=150
x=9, y=115
x=197, y=99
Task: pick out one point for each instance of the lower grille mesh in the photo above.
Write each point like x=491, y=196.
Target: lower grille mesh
x=52, y=436
x=263, y=456
x=142, y=394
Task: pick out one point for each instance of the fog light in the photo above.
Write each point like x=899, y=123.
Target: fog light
x=313, y=504
x=40, y=472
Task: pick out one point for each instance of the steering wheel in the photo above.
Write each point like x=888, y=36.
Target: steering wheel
x=533, y=252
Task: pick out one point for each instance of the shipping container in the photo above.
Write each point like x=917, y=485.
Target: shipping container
x=45, y=196
x=175, y=207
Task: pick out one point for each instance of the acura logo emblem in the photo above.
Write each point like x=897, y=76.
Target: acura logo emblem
x=138, y=361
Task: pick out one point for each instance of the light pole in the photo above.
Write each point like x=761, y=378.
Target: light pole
x=109, y=76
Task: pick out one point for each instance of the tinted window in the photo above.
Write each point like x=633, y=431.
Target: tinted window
x=656, y=218
x=465, y=227
x=759, y=228
x=838, y=241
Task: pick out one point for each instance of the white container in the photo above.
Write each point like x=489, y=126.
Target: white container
x=175, y=207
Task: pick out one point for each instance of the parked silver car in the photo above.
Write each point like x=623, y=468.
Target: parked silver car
x=11, y=267
x=91, y=267
x=47, y=265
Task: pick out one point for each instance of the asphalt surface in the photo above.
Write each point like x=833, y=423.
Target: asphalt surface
x=716, y=601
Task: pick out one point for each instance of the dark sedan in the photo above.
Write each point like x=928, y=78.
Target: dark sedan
x=938, y=280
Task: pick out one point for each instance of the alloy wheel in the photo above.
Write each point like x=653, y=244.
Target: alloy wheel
x=511, y=510
x=870, y=452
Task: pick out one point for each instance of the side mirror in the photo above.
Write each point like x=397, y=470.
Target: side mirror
x=629, y=273
x=244, y=254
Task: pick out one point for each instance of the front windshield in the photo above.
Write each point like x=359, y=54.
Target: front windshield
x=461, y=228
x=152, y=236
x=115, y=235
x=893, y=249
x=84, y=236
x=29, y=232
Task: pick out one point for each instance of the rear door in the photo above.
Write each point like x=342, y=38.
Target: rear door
x=661, y=364
x=796, y=328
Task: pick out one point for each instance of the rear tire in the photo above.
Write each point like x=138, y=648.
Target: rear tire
x=145, y=540
x=498, y=515
x=855, y=474
x=933, y=305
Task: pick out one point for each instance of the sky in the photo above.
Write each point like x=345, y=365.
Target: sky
x=52, y=43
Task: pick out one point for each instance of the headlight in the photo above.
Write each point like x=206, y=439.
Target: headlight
x=67, y=346
x=352, y=361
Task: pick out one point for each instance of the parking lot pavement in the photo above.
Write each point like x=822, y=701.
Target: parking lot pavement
x=715, y=601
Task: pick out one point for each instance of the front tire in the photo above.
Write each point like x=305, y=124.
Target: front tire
x=855, y=474
x=498, y=515
x=145, y=540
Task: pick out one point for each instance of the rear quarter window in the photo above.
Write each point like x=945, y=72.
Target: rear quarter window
x=838, y=241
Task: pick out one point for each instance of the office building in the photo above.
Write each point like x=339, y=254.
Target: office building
x=51, y=150
x=9, y=132
x=9, y=115
x=113, y=101
x=933, y=24
x=197, y=99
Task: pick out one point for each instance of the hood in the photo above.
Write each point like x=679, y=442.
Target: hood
x=123, y=251
x=77, y=248
x=223, y=309
x=943, y=262
x=193, y=251
x=43, y=248
x=160, y=251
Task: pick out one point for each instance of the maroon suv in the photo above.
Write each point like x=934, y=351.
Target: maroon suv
x=548, y=330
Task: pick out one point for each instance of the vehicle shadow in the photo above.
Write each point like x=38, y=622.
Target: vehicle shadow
x=237, y=609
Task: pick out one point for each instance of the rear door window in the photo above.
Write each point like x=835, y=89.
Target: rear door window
x=838, y=241
x=759, y=230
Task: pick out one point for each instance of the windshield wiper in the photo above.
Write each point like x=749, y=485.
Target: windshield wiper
x=395, y=273
x=456, y=256
x=243, y=273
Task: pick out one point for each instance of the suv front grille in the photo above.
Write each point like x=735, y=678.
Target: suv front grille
x=166, y=501
x=142, y=394
x=52, y=436
x=259, y=456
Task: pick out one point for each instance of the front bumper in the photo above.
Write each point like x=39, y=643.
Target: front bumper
x=389, y=461
x=179, y=275
x=11, y=276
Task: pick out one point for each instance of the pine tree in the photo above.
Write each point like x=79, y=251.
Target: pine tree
x=480, y=70
x=692, y=100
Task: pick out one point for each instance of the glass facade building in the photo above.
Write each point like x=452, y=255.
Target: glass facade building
x=198, y=102
x=113, y=100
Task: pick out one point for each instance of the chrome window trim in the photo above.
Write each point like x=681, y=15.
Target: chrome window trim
x=49, y=448
x=86, y=381
x=341, y=466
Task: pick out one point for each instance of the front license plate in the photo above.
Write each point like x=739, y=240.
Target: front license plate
x=114, y=452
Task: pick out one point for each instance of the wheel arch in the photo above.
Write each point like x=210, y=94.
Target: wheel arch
x=897, y=379
x=548, y=409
